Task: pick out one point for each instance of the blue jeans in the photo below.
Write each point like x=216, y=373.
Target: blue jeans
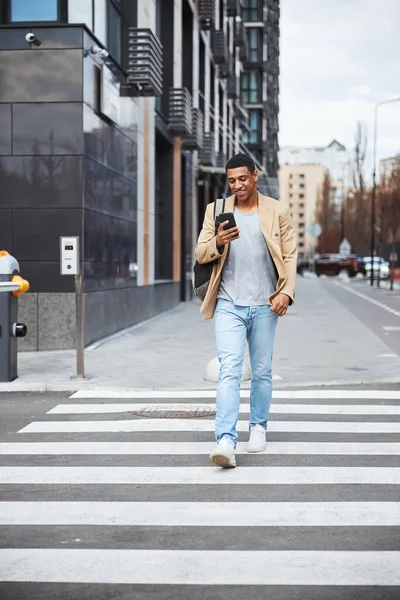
x=233, y=324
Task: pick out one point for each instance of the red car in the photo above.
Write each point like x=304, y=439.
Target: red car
x=330, y=264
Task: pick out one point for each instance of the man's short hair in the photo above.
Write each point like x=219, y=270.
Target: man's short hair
x=241, y=160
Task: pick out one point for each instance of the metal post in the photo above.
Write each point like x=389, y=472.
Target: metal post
x=80, y=350
x=342, y=209
x=373, y=197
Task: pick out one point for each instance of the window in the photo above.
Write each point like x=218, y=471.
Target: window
x=301, y=204
x=301, y=175
x=301, y=234
x=101, y=17
x=301, y=196
x=114, y=32
x=39, y=10
x=100, y=20
x=255, y=125
x=251, y=87
x=301, y=215
x=251, y=11
x=254, y=36
x=81, y=11
x=301, y=244
x=301, y=224
x=301, y=186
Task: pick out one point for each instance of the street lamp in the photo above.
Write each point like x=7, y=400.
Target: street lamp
x=345, y=167
x=377, y=105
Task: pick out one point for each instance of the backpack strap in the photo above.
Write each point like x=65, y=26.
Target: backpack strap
x=219, y=207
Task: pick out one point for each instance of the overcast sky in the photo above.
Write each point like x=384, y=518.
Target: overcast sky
x=338, y=58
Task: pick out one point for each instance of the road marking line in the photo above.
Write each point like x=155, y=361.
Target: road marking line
x=371, y=300
x=277, y=394
x=197, y=567
x=199, y=475
x=203, y=514
x=390, y=328
x=314, y=409
x=194, y=448
x=156, y=425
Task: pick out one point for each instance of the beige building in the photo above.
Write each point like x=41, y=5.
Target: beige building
x=300, y=186
x=389, y=165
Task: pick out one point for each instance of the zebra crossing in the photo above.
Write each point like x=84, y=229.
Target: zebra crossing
x=111, y=495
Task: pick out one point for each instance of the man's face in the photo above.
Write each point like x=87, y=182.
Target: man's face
x=242, y=182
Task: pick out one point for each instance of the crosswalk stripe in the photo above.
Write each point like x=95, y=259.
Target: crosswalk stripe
x=203, y=514
x=276, y=394
x=181, y=542
x=157, y=425
x=192, y=448
x=323, y=409
x=197, y=567
x=200, y=475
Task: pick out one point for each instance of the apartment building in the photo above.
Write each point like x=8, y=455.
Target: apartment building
x=116, y=122
x=334, y=157
x=387, y=166
x=300, y=186
x=260, y=87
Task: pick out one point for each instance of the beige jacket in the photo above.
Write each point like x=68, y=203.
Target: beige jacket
x=277, y=228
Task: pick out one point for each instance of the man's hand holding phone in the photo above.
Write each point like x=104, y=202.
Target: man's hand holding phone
x=226, y=233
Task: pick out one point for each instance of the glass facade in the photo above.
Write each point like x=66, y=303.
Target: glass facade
x=114, y=32
x=33, y=10
x=254, y=36
x=255, y=124
x=100, y=20
x=251, y=87
x=103, y=18
x=251, y=11
x=81, y=11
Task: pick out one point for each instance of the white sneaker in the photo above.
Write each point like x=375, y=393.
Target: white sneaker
x=257, y=441
x=223, y=454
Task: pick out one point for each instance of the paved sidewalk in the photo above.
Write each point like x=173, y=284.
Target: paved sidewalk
x=318, y=342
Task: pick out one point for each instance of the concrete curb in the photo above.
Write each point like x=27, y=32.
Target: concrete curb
x=22, y=387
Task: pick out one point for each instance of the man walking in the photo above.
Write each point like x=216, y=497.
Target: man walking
x=252, y=284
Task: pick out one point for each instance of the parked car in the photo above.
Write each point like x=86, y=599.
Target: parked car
x=380, y=265
x=331, y=265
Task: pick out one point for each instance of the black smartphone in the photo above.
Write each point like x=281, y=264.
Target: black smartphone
x=227, y=216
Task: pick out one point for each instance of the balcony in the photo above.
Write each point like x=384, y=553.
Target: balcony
x=180, y=112
x=145, y=64
x=219, y=47
x=227, y=69
x=239, y=34
x=196, y=140
x=221, y=159
x=208, y=155
x=206, y=14
x=233, y=7
x=244, y=53
x=232, y=88
x=240, y=113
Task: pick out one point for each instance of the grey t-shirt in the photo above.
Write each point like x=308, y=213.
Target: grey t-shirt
x=249, y=276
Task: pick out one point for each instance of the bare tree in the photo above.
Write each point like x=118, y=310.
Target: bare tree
x=388, y=211
x=358, y=203
x=327, y=215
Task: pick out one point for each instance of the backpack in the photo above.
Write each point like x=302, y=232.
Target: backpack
x=202, y=273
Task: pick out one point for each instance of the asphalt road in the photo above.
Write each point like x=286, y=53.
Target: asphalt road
x=98, y=503
x=378, y=309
